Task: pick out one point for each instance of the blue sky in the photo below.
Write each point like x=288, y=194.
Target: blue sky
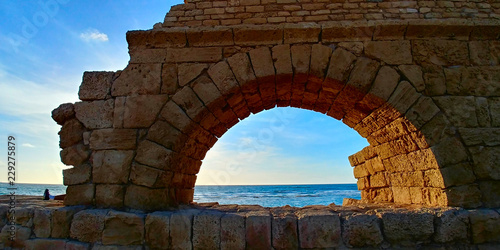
x=46, y=45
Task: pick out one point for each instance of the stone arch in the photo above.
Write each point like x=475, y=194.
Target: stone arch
x=138, y=137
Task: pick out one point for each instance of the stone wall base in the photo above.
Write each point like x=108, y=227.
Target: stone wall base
x=212, y=226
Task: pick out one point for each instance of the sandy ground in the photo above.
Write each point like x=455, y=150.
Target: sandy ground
x=25, y=200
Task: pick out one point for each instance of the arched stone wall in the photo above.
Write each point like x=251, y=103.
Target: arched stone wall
x=422, y=93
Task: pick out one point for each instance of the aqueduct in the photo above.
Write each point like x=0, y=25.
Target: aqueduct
x=420, y=80
x=422, y=92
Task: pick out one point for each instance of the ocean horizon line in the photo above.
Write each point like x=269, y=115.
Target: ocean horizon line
x=298, y=184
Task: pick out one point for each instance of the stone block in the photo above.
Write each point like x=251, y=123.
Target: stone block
x=386, y=81
x=484, y=226
x=42, y=222
x=76, y=245
x=361, y=230
x=258, y=35
x=403, y=97
x=391, y=52
x=284, y=229
x=449, y=151
x=95, y=85
x=190, y=71
x=109, y=196
x=187, y=99
x=490, y=193
x=389, y=30
x=61, y=221
x=166, y=135
x=414, y=74
x=452, y=226
x=80, y=195
x=154, y=155
x=340, y=70
x=441, y=52
x=467, y=196
x=301, y=33
x=474, y=81
x=458, y=174
x=486, y=162
x=401, y=194
x=63, y=113
x=319, y=229
x=137, y=111
x=143, y=198
x=320, y=58
x=422, y=112
x=158, y=230
x=173, y=114
x=123, y=229
x=170, y=37
x=258, y=230
x=87, y=225
x=182, y=232
x=71, y=133
x=77, y=175
x=232, y=234
x=408, y=227
x=347, y=31
x=95, y=114
x=480, y=53
x=169, y=79
x=434, y=79
x=206, y=230
x=150, y=177
x=111, y=166
x=122, y=139
x=262, y=64
x=22, y=236
x=439, y=29
x=75, y=155
x=483, y=112
x=494, y=111
x=45, y=244
x=213, y=36
x=138, y=79
x=195, y=55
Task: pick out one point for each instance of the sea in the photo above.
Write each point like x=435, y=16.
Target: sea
x=264, y=195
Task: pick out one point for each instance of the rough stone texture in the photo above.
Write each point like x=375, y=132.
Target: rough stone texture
x=113, y=139
x=361, y=230
x=137, y=111
x=111, y=166
x=452, y=226
x=95, y=85
x=284, y=229
x=408, y=228
x=75, y=155
x=61, y=221
x=142, y=79
x=95, y=114
x=158, y=230
x=319, y=229
x=391, y=52
x=232, y=235
x=80, y=195
x=71, y=133
x=63, y=113
x=206, y=228
x=87, y=225
x=42, y=222
x=77, y=175
x=485, y=226
x=123, y=229
x=109, y=195
x=258, y=230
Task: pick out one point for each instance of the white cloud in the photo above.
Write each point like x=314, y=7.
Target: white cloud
x=94, y=35
x=28, y=145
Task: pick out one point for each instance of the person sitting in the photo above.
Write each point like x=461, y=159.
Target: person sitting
x=47, y=196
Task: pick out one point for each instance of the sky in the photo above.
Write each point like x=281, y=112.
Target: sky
x=46, y=45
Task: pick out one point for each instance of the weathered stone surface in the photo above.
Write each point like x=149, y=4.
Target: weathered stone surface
x=76, y=245
x=232, y=234
x=319, y=229
x=71, y=133
x=391, y=52
x=22, y=235
x=77, y=175
x=63, y=113
x=80, y=195
x=484, y=224
x=301, y=33
x=113, y=139
x=137, y=111
x=95, y=85
x=404, y=97
x=109, y=195
x=142, y=79
x=449, y=151
x=143, y=198
x=441, y=52
x=434, y=79
x=258, y=230
x=347, y=31
x=201, y=55
x=42, y=222
x=189, y=71
x=468, y=196
x=95, y=114
x=408, y=227
x=490, y=193
x=61, y=221
x=213, y=36
x=206, y=230
x=150, y=177
x=98, y=246
x=480, y=136
x=483, y=112
x=343, y=65
x=158, y=230
x=45, y=244
x=477, y=81
x=494, y=111
x=75, y=155
x=362, y=230
x=153, y=155
x=422, y=112
x=186, y=99
x=258, y=35
x=414, y=75
x=354, y=47
x=386, y=81
x=451, y=226
x=123, y=229
x=284, y=229
x=111, y=166
x=87, y=225
x=181, y=234
x=486, y=162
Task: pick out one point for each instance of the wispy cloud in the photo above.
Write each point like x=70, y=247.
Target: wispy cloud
x=94, y=35
x=28, y=145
